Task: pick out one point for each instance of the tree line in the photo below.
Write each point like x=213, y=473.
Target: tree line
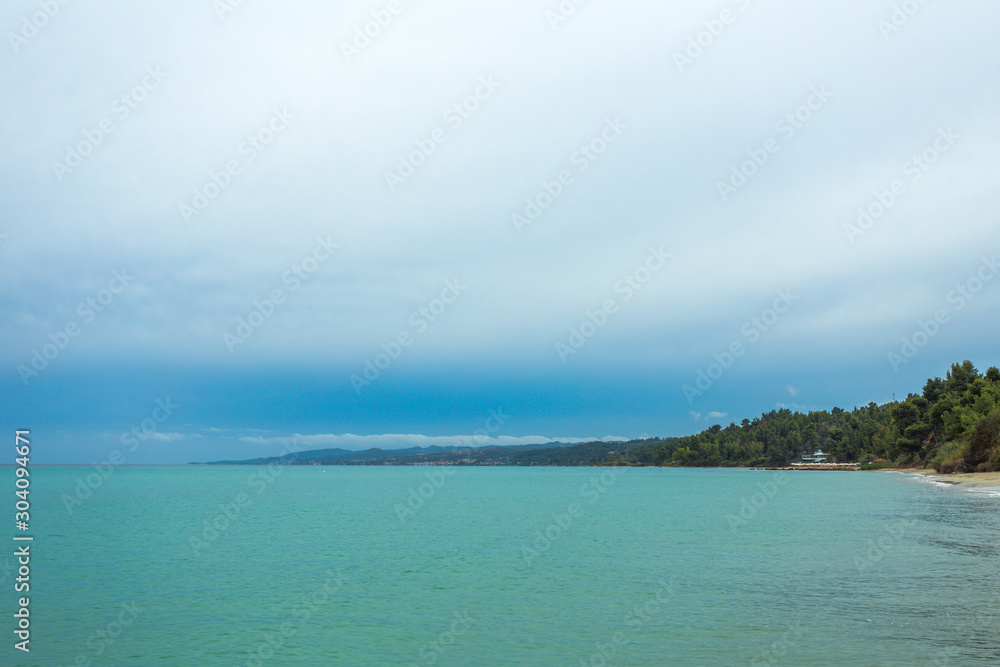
x=952, y=425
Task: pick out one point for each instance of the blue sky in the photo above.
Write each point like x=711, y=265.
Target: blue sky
x=278, y=226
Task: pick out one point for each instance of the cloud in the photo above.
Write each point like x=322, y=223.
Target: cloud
x=711, y=415
x=323, y=175
x=354, y=442
x=167, y=437
x=193, y=282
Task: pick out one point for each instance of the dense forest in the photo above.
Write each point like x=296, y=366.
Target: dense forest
x=953, y=425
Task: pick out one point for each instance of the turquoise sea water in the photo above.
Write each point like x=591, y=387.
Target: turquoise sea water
x=330, y=566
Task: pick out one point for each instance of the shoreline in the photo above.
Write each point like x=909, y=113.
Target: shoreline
x=981, y=479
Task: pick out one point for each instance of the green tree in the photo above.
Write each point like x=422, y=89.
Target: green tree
x=985, y=440
x=960, y=376
x=934, y=389
x=906, y=415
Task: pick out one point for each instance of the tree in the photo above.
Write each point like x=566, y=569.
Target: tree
x=933, y=389
x=810, y=437
x=960, y=376
x=985, y=440
x=937, y=412
x=906, y=415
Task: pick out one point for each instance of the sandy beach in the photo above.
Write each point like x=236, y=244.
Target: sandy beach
x=990, y=479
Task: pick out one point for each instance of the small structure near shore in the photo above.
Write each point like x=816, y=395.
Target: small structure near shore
x=816, y=457
x=817, y=460
x=821, y=466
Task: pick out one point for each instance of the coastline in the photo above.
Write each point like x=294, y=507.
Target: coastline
x=982, y=479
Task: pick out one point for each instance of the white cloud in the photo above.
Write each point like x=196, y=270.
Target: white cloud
x=166, y=437
x=657, y=185
x=354, y=442
x=354, y=120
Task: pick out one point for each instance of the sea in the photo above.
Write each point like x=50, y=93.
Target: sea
x=427, y=565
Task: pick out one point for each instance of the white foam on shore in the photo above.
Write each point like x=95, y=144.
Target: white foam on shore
x=988, y=490
x=992, y=491
x=930, y=479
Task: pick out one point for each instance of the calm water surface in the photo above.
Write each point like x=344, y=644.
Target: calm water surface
x=506, y=566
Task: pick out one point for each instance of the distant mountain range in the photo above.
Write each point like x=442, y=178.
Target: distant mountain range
x=548, y=454
x=952, y=425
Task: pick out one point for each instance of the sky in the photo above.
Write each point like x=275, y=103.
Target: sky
x=230, y=226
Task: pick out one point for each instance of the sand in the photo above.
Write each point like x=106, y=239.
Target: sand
x=990, y=479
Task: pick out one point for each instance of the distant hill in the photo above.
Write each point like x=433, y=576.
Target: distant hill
x=344, y=455
x=548, y=454
x=952, y=425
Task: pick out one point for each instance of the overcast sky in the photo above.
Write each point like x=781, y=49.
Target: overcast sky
x=276, y=224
